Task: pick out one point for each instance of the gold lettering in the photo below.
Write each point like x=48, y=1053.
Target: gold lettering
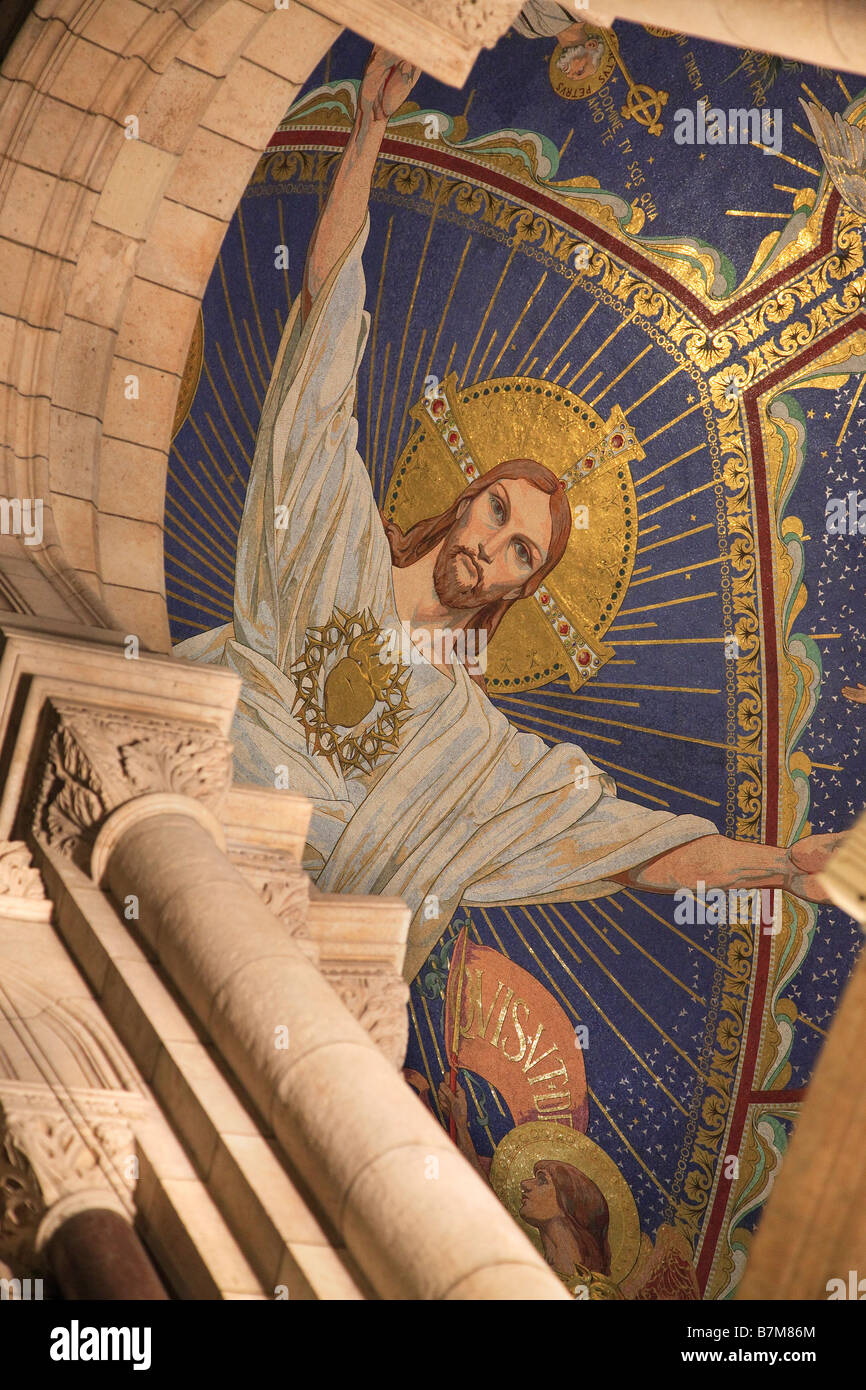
x=547, y=1096
x=521, y=1036
x=494, y=1041
x=475, y=1009
x=560, y=1071
x=531, y=1058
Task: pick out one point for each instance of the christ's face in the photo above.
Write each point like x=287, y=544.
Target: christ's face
x=500, y=539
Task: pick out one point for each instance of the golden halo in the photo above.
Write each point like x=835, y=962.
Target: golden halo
x=515, y=1158
x=558, y=631
x=573, y=88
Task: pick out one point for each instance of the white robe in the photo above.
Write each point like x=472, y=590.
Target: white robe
x=469, y=808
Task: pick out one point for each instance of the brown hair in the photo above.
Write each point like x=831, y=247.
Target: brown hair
x=421, y=538
x=585, y=1208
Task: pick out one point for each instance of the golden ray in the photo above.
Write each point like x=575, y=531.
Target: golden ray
x=531, y=365
x=683, y=497
x=648, y=530
x=631, y=999
x=589, y=385
x=810, y=93
x=263, y=377
x=432, y=1032
x=193, y=588
x=559, y=374
x=251, y=287
x=195, y=549
x=486, y=1128
x=220, y=592
x=433, y=1096
x=801, y=1018
x=607, y=700
x=824, y=636
x=668, y=786
x=487, y=312
x=575, y=733
x=652, y=493
x=228, y=376
x=608, y=340
x=664, y=733
x=847, y=94
x=668, y=603
x=570, y=337
x=485, y=356
x=699, y=999
x=214, y=527
x=566, y=142
x=805, y=133
x=191, y=543
x=786, y=188
x=409, y=394
x=807, y=168
x=666, y=641
x=232, y=502
x=827, y=767
x=219, y=439
x=646, y=395
x=371, y=463
x=628, y=627
x=639, y=482
x=642, y=1162
x=675, y=689
x=457, y=275
x=547, y=322
x=739, y=212
x=648, y=796
x=689, y=411
x=631, y=364
x=197, y=605
x=519, y=320
x=434, y=212
x=450, y=359
x=670, y=926
x=468, y=103
x=684, y=569
x=857, y=395
x=669, y=540
x=374, y=338
x=238, y=348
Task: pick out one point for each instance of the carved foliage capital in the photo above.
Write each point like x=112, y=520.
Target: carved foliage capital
x=97, y=761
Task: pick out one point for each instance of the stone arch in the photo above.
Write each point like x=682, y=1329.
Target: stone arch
x=108, y=243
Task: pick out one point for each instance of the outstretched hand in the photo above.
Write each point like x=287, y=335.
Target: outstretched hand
x=857, y=693
x=806, y=859
x=386, y=84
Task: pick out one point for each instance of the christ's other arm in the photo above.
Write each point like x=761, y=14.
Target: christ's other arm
x=384, y=87
x=718, y=862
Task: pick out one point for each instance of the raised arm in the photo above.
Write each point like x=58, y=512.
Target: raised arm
x=386, y=83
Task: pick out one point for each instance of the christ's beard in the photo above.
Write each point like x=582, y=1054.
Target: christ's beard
x=451, y=591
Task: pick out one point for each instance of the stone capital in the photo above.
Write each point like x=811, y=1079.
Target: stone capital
x=95, y=761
